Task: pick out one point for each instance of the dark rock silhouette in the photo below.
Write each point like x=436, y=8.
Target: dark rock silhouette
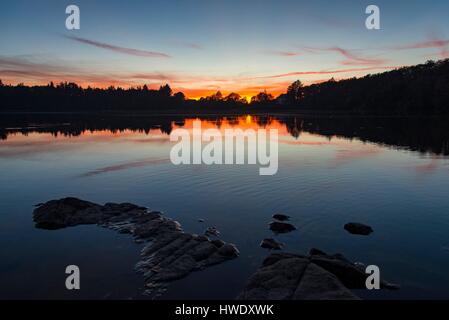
x=271, y=244
x=318, y=276
x=358, y=228
x=212, y=231
x=169, y=254
x=281, y=227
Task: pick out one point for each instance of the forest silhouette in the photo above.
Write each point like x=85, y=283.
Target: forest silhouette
x=417, y=90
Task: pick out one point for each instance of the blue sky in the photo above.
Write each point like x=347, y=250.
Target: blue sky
x=243, y=46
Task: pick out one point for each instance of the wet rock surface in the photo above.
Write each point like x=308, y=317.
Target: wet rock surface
x=281, y=227
x=317, y=276
x=358, y=228
x=271, y=244
x=212, y=231
x=169, y=253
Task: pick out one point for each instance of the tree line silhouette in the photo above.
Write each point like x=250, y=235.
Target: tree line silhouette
x=418, y=90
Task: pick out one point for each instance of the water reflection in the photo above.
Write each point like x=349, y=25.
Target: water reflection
x=331, y=171
x=425, y=135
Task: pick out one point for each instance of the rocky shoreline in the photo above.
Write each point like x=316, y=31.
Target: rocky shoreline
x=169, y=253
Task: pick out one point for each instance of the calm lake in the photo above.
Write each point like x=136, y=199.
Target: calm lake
x=392, y=174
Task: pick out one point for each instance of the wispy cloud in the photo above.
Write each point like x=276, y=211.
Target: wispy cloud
x=16, y=69
x=436, y=43
x=327, y=72
x=351, y=58
x=282, y=53
x=124, y=50
x=190, y=45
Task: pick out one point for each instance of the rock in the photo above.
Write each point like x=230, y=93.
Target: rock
x=319, y=276
x=351, y=276
x=218, y=243
x=281, y=227
x=281, y=217
x=271, y=244
x=66, y=212
x=318, y=284
x=277, y=281
x=212, y=231
x=315, y=251
x=358, y=228
x=201, y=220
x=229, y=250
x=169, y=253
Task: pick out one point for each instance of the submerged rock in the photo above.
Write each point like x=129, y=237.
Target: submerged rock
x=281, y=217
x=212, y=231
x=281, y=227
x=358, y=228
x=318, y=276
x=169, y=253
x=271, y=244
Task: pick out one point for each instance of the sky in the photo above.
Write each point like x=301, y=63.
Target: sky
x=199, y=47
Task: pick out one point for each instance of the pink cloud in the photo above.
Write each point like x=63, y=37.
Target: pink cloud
x=329, y=72
x=282, y=53
x=350, y=57
x=435, y=43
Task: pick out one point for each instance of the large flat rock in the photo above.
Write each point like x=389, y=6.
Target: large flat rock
x=317, y=276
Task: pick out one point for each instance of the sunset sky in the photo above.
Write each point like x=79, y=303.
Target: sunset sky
x=199, y=47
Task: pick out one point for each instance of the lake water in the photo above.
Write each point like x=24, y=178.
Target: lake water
x=392, y=177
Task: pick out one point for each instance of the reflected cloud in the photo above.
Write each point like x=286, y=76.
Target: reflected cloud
x=345, y=156
x=125, y=166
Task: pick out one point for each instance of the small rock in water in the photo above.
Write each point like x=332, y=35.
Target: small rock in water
x=271, y=244
x=212, y=231
x=281, y=227
x=358, y=228
x=281, y=217
x=201, y=220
